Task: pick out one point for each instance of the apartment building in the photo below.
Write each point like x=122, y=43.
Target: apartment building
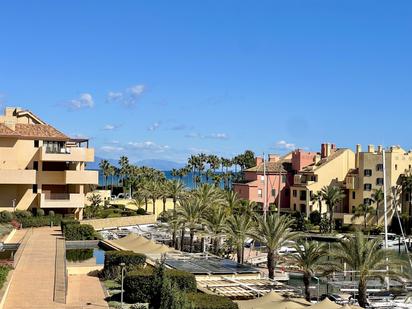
x=368, y=176
x=40, y=167
x=330, y=167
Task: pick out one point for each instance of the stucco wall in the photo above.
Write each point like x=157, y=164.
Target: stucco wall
x=99, y=224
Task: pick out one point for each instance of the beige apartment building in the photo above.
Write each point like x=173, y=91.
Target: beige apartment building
x=330, y=167
x=40, y=167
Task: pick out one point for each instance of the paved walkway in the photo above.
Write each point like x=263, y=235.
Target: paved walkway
x=32, y=283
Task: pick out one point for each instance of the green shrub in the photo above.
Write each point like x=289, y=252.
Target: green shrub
x=112, y=260
x=51, y=213
x=140, y=211
x=39, y=212
x=6, y=216
x=79, y=232
x=22, y=214
x=207, y=301
x=65, y=222
x=4, y=271
x=39, y=221
x=79, y=255
x=140, y=286
x=315, y=217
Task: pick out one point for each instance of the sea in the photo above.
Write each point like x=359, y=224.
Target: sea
x=186, y=180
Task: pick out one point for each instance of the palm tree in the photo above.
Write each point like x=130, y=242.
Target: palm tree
x=190, y=212
x=124, y=168
x=367, y=259
x=317, y=198
x=154, y=193
x=215, y=221
x=232, y=201
x=363, y=210
x=112, y=172
x=208, y=195
x=332, y=195
x=176, y=191
x=138, y=199
x=309, y=258
x=104, y=165
x=407, y=188
x=273, y=232
x=378, y=197
x=239, y=227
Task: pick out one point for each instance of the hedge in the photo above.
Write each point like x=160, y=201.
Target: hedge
x=112, y=260
x=79, y=255
x=140, y=285
x=79, y=232
x=39, y=221
x=207, y=301
x=65, y=222
x=4, y=271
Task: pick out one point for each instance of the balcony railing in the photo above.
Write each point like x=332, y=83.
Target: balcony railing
x=65, y=154
x=61, y=200
x=18, y=177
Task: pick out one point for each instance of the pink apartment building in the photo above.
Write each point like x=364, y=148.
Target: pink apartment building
x=279, y=178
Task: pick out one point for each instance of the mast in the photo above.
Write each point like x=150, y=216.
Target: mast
x=264, y=188
x=385, y=210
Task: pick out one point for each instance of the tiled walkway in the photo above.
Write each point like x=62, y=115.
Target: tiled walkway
x=32, y=283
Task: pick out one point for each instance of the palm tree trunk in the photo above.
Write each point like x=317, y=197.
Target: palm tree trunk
x=377, y=213
x=362, y=293
x=192, y=237
x=271, y=264
x=174, y=203
x=164, y=204
x=182, y=243
x=306, y=282
x=145, y=203
x=239, y=254
x=173, y=238
x=154, y=205
x=216, y=245
x=331, y=219
x=364, y=220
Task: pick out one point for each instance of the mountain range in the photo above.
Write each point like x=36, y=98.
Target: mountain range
x=163, y=165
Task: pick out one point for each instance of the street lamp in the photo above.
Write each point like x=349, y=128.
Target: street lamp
x=122, y=266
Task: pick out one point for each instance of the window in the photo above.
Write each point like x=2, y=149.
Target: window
x=273, y=192
x=353, y=195
x=287, y=192
x=368, y=173
x=36, y=165
x=367, y=187
x=379, y=181
x=34, y=188
x=302, y=195
x=283, y=178
x=262, y=178
x=36, y=144
x=295, y=193
x=396, y=167
x=367, y=201
x=353, y=209
x=379, y=167
x=259, y=192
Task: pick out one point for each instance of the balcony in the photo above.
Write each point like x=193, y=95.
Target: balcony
x=67, y=154
x=352, y=182
x=68, y=177
x=61, y=200
x=16, y=177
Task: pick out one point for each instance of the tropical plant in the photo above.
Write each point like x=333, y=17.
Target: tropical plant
x=239, y=227
x=365, y=257
x=273, y=233
x=332, y=195
x=215, y=222
x=317, y=198
x=104, y=166
x=96, y=202
x=176, y=191
x=363, y=210
x=309, y=258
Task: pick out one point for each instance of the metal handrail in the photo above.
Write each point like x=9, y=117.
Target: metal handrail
x=21, y=248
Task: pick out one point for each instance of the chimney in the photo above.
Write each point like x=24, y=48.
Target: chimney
x=358, y=148
x=380, y=149
x=326, y=150
x=258, y=161
x=273, y=158
x=371, y=148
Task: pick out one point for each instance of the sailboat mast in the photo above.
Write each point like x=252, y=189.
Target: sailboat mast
x=264, y=188
x=385, y=201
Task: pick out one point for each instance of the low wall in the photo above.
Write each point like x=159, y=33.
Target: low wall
x=100, y=224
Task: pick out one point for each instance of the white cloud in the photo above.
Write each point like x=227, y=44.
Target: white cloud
x=128, y=97
x=222, y=136
x=285, y=145
x=148, y=146
x=154, y=126
x=111, y=149
x=110, y=127
x=85, y=100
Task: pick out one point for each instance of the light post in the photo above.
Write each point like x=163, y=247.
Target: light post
x=318, y=285
x=122, y=266
x=14, y=205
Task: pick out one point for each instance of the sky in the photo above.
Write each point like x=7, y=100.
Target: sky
x=166, y=79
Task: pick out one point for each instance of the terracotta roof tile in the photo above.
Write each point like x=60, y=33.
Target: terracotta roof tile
x=39, y=131
x=272, y=167
x=4, y=130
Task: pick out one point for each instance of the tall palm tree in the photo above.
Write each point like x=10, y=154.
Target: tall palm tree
x=215, y=221
x=367, y=259
x=363, y=210
x=208, y=195
x=309, y=258
x=317, y=198
x=232, y=201
x=273, y=232
x=112, y=173
x=377, y=197
x=407, y=188
x=124, y=168
x=104, y=166
x=154, y=192
x=332, y=195
x=239, y=227
x=176, y=191
x=190, y=212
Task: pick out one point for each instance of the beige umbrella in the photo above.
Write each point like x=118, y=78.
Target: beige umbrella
x=255, y=303
x=326, y=304
x=350, y=307
x=287, y=303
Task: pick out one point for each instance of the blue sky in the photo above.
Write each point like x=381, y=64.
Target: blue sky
x=164, y=79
